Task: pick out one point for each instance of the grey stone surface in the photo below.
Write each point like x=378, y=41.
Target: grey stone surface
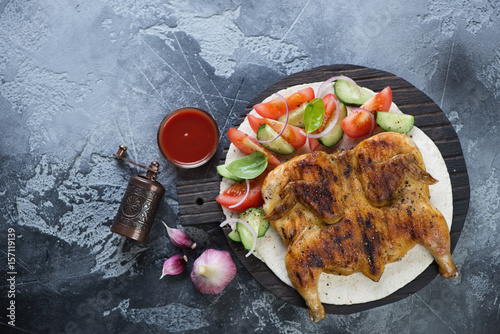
x=79, y=78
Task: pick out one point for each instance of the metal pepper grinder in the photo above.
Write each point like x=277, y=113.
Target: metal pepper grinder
x=140, y=201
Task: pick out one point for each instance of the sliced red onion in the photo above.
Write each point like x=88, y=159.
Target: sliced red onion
x=248, y=226
x=335, y=78
x=329, y=127
x=374, y=122
x=213, y=271
x=284, y=126
x=244, y=197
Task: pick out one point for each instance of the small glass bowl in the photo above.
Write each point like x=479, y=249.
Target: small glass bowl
x=188, y=137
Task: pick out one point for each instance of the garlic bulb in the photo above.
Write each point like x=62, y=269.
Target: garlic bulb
x=174, y=265
x=180, y=238
x=213, y=271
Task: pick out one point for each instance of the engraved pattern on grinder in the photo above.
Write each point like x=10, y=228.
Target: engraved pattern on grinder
x=132, y=205
x=138, y=207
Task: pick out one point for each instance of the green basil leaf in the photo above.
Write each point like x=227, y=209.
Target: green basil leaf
x=248, y=167
x=314, y=114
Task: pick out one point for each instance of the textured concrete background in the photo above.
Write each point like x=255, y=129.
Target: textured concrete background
x=79, y=78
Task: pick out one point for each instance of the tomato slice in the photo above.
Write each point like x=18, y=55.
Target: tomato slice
x=358, y=124
x=248, y=145
x=276, y=107
x=329, y=103
x=313, y=144
x=380, y=102
x=235, y=193
x=291, y=133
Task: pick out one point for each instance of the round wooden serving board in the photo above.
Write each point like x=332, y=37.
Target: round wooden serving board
x=428, y=117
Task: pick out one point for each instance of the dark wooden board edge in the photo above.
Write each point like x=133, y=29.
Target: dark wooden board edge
x=428, y=117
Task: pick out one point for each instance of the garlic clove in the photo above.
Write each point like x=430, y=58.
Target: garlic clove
x=213, y=271
x=180, y=238
x=174, y=265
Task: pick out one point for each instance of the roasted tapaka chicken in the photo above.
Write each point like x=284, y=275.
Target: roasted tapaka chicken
x=354, y=211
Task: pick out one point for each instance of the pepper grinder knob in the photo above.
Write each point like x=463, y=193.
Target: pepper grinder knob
x=121, y=150
x=153, y=171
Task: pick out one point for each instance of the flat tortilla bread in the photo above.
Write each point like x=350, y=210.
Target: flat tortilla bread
x=357, y=288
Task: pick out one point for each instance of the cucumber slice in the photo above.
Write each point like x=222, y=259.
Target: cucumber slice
x=225, y=173
x=245, y=236
x=234, y=235
x=401, y=123
x=296, y=117
x=254, y=217
x=348, y=93
x=334, y=136
x=263, y=227
x=279, y=145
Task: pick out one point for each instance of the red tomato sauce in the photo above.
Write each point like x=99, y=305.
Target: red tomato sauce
x=188, y=137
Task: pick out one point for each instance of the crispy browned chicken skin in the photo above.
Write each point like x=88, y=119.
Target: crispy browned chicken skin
x=354, y=211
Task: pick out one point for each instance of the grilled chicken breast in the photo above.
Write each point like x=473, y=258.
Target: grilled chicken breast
x=354, y=211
